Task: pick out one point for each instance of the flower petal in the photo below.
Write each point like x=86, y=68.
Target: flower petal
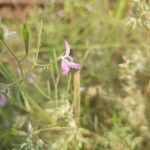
x=74, y=65
x=65, y=67
x=67, y=49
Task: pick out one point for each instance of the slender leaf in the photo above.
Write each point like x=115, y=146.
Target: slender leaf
x=26, y=36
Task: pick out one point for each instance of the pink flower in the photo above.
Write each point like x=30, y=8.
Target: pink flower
x=67, y=61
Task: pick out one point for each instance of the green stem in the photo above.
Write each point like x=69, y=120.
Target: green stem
x=77, y=97
x=56, y=90
x=14, y=56
x=23, y=57
x=120, y=8
x=42, y=93
x=19, y=80
x=69, y=83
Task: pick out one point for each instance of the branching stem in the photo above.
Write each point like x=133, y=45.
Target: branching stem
x=14, y=56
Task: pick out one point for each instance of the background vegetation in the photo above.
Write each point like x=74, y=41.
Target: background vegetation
x=105, y=105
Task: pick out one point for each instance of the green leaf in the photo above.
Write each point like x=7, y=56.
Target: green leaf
x=26, y=35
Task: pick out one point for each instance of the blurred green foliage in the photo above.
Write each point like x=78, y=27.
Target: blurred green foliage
x=110, y=39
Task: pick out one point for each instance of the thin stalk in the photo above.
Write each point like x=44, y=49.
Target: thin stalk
x=55, y=62
x=42, y=93
x=39, y=40
x=56, y=90
x=57, y=77
x=69, y=83
x=19, y=80
x=55, y=82
x=77, y=97
x=23, y=57
x=49, y=87
x=18, y=61
x=42, y=65
x=12, y=84
x=59, y=129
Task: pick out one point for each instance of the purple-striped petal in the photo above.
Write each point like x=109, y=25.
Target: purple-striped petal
x=65, y=67
x=74, y=65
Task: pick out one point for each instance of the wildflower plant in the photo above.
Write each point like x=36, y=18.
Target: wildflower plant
x=67, y=61
x=48, y=102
